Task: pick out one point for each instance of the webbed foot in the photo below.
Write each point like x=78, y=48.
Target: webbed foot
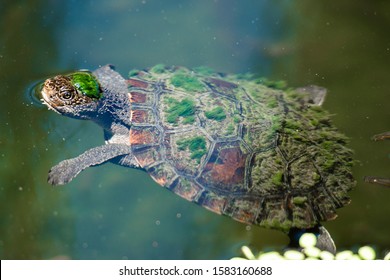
x=63, y=172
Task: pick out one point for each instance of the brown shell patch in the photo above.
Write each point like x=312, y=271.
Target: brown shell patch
x=223, y=88
x=222, y=83
x=139, y=116
x=137, y=83
x=137, y=97
x=143, y=136
x=225, y=169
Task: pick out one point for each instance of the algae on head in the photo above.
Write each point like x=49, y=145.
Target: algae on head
x=87, y=84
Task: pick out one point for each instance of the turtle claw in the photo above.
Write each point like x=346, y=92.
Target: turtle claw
x=377, y=180
x=374, y=179
x=62, y=173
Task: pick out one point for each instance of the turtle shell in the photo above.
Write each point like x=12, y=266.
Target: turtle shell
x=242, y=147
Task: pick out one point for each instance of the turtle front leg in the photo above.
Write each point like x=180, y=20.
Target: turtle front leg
x=66, y=170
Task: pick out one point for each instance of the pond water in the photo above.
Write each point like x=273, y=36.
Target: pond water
x=112, y=212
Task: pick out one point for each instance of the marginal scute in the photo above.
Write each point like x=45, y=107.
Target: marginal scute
x=274, y=214
x=141, y=116
x=302, y=213
x=186, y=188
x=162, y=173
x=212, y=201
x=247, y=148
x=138, y=83
x=138, y=97
x=243, y=209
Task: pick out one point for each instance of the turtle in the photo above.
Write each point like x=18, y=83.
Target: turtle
x=374, y=179
x=239, y=145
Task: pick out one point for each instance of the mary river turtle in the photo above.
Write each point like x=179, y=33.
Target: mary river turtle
x=239, y=146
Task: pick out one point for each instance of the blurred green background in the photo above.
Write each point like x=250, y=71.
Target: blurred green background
x=111, y=212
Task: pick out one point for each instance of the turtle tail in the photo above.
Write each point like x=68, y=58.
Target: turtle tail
x=324, y=240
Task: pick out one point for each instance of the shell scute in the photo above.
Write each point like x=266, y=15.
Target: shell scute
x=162, y=173
x=187, y=150
x=225, y=168
x=187, y=189
x=212, y=201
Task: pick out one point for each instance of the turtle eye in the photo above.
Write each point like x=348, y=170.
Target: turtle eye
x=66, y=95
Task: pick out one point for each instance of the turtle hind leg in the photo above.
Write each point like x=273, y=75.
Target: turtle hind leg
x=324, y=240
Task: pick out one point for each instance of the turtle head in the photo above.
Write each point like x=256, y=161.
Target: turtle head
x=74, y=95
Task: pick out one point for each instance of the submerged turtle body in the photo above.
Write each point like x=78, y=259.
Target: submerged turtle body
x=242, y=147
x=239, y=148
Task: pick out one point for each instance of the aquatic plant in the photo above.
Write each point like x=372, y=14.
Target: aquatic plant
x=308, y=251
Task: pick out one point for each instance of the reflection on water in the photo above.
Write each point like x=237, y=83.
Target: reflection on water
x=33, y=93
x=111, y=212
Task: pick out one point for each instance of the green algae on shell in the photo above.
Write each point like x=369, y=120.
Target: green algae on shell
x=187, y=82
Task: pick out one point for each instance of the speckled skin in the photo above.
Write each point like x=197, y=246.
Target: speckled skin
x=231, y=144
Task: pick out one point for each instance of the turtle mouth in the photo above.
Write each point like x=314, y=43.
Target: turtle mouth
x=46, y=100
